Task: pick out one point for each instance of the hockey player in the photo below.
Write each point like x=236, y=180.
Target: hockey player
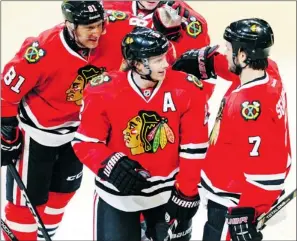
x=188, y=30
x=250, y=143
x=135, y=132
x=45, y=81
x=185, y=28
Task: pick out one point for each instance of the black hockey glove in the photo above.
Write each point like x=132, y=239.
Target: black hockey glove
x=128, y=176
x=198, y=62
x=181, y=207
x=11, y=140
x=242, y=224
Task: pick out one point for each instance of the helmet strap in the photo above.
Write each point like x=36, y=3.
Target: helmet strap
x=142, y=75
x=238, y=67
x=147, y=76
x=71, y=30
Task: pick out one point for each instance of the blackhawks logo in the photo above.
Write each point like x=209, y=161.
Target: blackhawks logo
x=193, y=27
x=195, y=80
x=34, y=53
x=116, y=15
x=250, y=110
x=216, y=129
x=85, y=75
x=147, y=132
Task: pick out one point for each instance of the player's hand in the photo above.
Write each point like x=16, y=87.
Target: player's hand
x=127, y=175
x=242, y=224
x=198, y=62
x=181, y=207
x=168, y=21
x=11, y=140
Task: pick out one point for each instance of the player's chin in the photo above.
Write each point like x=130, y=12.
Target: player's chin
x=160, y=75
x=150, y=5
x=91, y=44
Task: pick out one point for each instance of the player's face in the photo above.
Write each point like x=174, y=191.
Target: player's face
x=74, y=93
x=132, y=135
x=88, y=35
x=229, y=56
x=158, y=66
x=148, y=5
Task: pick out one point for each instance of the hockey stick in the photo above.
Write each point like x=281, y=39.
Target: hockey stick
x=8, y=231
x=24, y=191
x=171, y=230
x=266, y=216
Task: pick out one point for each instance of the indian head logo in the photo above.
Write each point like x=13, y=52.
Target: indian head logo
x=85, y=75
x=216, y=129
x=147, y=132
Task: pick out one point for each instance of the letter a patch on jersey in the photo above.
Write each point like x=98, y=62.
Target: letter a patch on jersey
x=250, y=110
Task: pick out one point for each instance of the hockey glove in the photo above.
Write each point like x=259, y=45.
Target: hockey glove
x=181, y=207
x=242, y=224
x=128, y=176
x=11, y=140
x=168, y=22
x=198, y=62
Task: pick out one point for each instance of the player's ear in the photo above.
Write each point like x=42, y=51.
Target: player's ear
x=138, y=65
x=241, y=56
x=69, y=25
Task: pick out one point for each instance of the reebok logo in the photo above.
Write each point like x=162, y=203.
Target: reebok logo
x=240, y=220
x=111, y=163
x=185, y=204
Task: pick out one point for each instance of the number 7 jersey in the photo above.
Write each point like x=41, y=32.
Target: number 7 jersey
x=249, y=151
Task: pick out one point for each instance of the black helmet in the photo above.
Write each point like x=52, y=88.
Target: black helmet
x=254, y=35
x=82, y=12
x=143, y=43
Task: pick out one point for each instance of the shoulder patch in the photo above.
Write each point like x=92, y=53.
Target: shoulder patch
x=194, y=27
x=116, y=15
x=195, y=80
x=34, y=53
x=250, y=110
x=100, y=79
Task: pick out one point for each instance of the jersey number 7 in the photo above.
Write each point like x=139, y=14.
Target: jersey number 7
x=256, y=140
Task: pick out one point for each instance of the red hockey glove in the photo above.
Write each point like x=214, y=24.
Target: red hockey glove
x=11, y=140
x=128, y=176
x=181, y=207
x=242, y=224
x=198, y=62
x=168, y=21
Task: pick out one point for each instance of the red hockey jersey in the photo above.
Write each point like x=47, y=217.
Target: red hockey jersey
x=127, y=17
x=249, y=149
x=195, y=34
x=163, y=129
x=46, y=79
x=221, y=69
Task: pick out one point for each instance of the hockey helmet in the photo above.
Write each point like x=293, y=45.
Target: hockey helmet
x=82, y=12
x=143, y=43
x=254, y=35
